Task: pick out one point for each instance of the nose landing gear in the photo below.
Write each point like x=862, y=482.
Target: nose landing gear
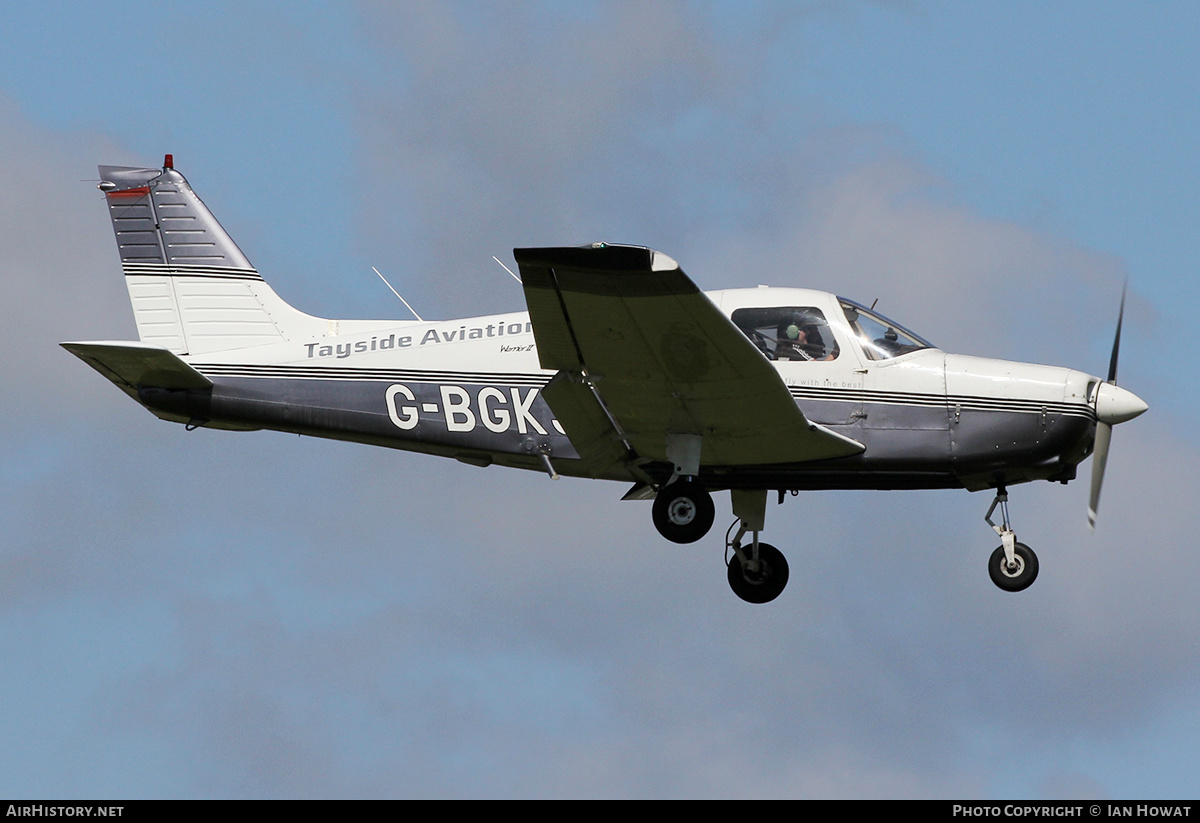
x=1013, y=566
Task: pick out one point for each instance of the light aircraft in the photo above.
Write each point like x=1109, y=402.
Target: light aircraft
x=622, y=369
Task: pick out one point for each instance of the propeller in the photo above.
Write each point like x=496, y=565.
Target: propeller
x=1113, y=405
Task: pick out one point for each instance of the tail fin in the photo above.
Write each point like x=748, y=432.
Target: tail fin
x=192, y=289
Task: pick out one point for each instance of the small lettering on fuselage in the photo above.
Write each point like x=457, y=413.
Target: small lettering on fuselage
x=496, y=409
x=826, y=383
x=435, y=335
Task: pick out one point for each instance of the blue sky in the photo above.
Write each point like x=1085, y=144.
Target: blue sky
x=212, y=614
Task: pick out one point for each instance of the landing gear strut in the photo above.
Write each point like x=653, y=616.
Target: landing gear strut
x=1013, y=566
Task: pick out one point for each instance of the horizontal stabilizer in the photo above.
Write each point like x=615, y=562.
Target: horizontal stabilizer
x=135, y=365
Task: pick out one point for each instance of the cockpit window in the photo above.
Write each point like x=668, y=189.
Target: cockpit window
x=788, y=332
x=881, y=338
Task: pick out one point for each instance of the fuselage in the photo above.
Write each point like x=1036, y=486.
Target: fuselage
x=471, y=389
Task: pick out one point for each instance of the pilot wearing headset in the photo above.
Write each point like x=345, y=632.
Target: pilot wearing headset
x=799, y=338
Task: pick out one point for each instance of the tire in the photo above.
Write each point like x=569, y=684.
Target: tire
x=1018, y=579
x=764, y=585
x=683, y=512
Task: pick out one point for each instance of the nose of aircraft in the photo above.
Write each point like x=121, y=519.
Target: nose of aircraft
x=1116, y=405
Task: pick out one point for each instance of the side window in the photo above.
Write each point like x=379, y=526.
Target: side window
x=788, y=332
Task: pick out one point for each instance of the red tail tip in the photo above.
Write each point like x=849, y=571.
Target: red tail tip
x=168, y=162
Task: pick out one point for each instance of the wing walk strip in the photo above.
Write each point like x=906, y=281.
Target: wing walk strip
x=966, y=402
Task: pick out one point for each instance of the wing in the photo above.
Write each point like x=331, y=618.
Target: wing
x=643, y=355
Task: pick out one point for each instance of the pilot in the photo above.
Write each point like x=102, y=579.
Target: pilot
x=799, y=339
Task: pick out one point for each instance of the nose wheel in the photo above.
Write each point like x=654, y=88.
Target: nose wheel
x=1018, y=575
x=1013, y=566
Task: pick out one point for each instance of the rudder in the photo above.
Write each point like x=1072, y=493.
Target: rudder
x=193, y=290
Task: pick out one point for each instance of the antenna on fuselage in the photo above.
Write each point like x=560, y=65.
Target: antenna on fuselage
x=402, y=300
x=507, y=269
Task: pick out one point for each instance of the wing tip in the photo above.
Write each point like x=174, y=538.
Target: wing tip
x=662, y=262
x=611, y=256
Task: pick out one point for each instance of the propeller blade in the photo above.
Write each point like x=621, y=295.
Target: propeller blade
x=1099, y=460
x=1112, y=362
x=1113, y=405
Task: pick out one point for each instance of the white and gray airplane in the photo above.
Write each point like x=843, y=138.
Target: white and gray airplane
x=622, y=369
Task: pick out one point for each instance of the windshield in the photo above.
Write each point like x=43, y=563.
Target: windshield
x=881, y=339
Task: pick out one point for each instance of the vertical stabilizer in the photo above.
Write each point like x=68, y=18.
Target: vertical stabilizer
x=192, y=289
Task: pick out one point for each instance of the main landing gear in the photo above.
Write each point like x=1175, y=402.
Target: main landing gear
x=758, y=572
x=684, y=512
x=1013, y=566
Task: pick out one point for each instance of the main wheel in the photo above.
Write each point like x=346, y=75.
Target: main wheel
x=1020, y=575
x=763, y=585
x=683, y=512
